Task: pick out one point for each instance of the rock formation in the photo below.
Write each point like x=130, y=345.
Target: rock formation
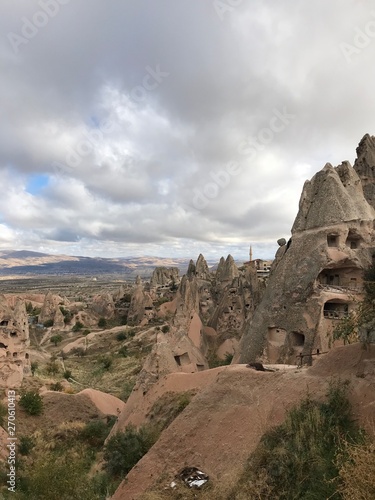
x=14, y=341
x=317, y=276
x=103, y=305
x=365, y=167
x=164, y=276
x=208, y=314
x=50, y=306
x=238, y=294
x=141, y=307
x=201, y=268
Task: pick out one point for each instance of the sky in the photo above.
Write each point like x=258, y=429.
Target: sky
x=174, y=127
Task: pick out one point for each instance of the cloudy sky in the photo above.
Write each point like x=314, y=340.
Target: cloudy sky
x=174, y=127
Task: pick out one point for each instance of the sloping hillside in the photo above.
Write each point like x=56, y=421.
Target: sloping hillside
x=226, y=419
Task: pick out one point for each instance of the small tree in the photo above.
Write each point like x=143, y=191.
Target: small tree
x=121, y=336
x=56, y=339
x=32, y=403
x=125, y=449
x=25, y=445
x=78, y=326
x=106, y=362
x=52, y=367
x=34, y=366
x=102, y=323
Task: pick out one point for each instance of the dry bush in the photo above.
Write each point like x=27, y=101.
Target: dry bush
x=357, y=472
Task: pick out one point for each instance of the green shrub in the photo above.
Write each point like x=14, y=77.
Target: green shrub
x=123, y=319
x=123, y=351
x=56, y=477
x=168, y=407
x=121, y=336
x=125, y=449
x=214, y=361
x=106, y=362
x=95, y=433
x=79, y=351
x=297, y=459
x=127, y=298
x=78, y=326
x=126, y=390
x=56, y=339
x=67, y=374
x=67, y=314
x=102, y=323
x=25, y=445
x=34, y=366
x=160, y=301
x=357, y=471
x=48, y=323
x=165, y=329
x=32, y=403
x=67, y=317
x=52, y=367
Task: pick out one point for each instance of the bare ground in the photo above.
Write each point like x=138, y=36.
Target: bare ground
x=235, y=405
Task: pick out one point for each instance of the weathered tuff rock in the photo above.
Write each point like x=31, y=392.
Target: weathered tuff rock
x=14, y=341
x=58, y=320
x=103, y=305
x=172, y=353
x=141, y=307
x=365, y=167
x=226, y=271
x=209, y=311
x=164, y=276
x=201, y=269
x=50, y=306
x=317, y=277
x=238, y=293
x=220, y=303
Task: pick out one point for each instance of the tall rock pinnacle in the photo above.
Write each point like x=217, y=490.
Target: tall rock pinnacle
x=317, y=278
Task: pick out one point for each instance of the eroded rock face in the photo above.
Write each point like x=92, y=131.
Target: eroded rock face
x=365, y=167
x=201, y=269
x=50, y=306
x=141, y=307
x=173, y=352
x=14, y=342
x=164, y=276
x=222, y=302
x=238, y=294
x=103, y=305
x=317, y=277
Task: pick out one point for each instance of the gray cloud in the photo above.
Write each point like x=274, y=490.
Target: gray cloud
x=135, y=110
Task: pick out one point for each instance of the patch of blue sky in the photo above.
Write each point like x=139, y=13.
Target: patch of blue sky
x=36, y=183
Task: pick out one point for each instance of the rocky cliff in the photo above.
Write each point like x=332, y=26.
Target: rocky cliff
x=317, y=276
x=14, y=341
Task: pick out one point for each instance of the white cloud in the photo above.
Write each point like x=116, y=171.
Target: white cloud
x=131, y=188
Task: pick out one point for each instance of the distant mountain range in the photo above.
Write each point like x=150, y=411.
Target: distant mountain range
x=27, y=263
